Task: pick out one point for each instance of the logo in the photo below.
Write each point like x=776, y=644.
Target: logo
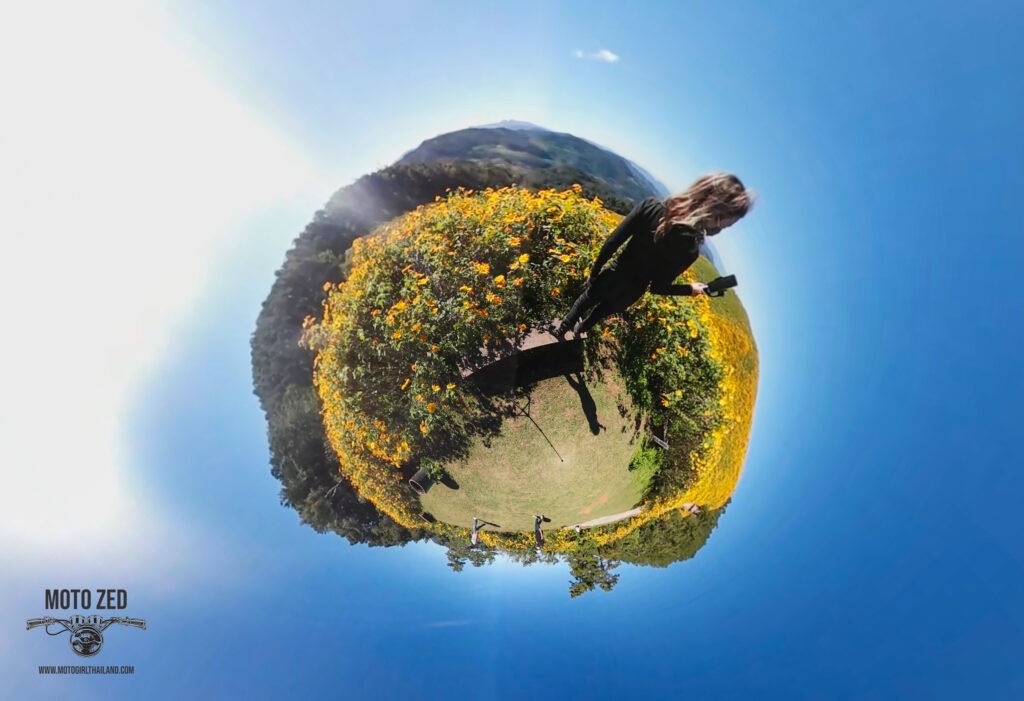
x=86, y=631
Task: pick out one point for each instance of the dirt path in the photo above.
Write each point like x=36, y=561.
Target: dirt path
x=610, y=519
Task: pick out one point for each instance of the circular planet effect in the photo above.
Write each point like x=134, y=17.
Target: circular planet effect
x=454, y=417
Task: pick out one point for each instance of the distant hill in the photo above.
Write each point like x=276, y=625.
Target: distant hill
x=638, y=172
x=522, y=144
x=711, y=253
x=528, y=146
x=513, y=124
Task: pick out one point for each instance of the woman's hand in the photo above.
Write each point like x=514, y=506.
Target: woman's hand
x=699, y=288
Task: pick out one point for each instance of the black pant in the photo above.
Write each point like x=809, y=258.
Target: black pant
x=611, y=292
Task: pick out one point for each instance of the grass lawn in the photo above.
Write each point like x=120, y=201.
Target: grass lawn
x=547, y=463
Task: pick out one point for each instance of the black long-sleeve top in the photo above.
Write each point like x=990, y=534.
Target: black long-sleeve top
x=643, y=260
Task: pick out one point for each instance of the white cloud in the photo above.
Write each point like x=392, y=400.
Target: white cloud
x=604, y=55
x=124, y=169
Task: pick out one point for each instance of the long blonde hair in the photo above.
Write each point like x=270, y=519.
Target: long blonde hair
x=712, y=195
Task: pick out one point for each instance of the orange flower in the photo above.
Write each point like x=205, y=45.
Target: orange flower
x=431, y=407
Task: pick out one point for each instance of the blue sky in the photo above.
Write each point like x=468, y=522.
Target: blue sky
x=159, y=160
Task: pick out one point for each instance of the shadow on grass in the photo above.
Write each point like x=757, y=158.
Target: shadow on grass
x=587, y=402
x=525, y=411
x=529, y=367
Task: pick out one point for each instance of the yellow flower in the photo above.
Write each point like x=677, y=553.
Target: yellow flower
x=451, y=385
x=482, y=268
x=565, y=258
x=423, y=428
x=514, y=241
x=500, y=281
x=396, y=335
x=436, y=388
x=518, y=281
x=419, y=397
x=664, y=402
x=405, y=385
x=422, y=281
x=466, y=289
x=554, y=292
x=525, y=258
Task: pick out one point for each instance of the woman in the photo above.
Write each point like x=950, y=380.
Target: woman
x=664, y=240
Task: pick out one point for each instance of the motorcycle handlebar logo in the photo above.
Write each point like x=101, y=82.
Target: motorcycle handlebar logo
x=86, y=631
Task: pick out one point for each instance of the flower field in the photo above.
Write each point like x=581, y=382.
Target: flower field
x=428, y=290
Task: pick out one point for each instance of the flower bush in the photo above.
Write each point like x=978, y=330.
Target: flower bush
x=430, y=292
